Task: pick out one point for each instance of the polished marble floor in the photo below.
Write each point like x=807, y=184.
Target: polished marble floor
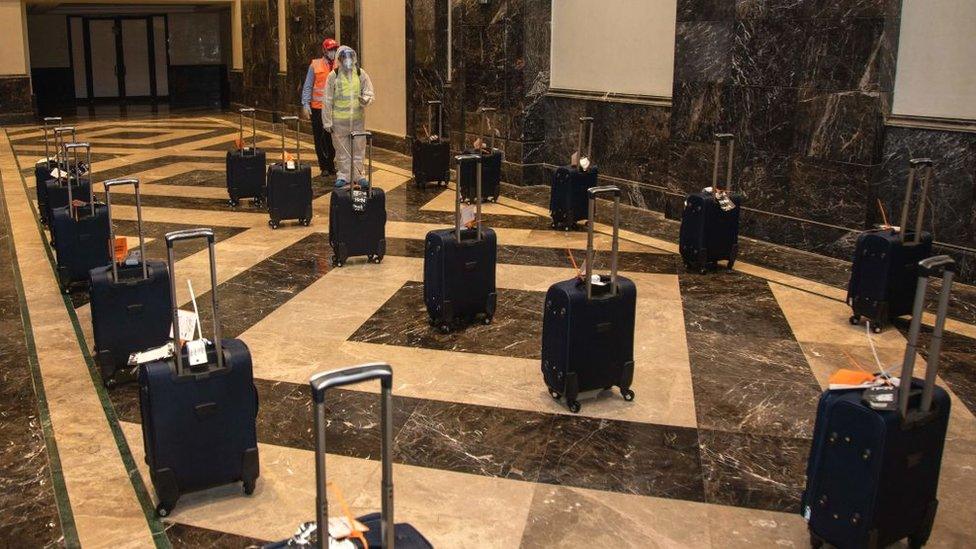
x=711, y=453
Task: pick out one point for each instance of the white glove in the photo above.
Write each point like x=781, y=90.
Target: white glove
x=365, y=100
x=328, y=129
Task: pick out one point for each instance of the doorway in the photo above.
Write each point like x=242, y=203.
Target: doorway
x=125, y=57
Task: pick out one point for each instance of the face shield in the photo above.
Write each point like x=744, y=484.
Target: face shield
x=347, y=58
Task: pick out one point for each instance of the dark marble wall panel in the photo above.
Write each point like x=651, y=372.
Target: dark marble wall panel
x=304, y=44
x=16, y=102
x=260, y=37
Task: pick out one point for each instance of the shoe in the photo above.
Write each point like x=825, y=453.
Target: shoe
x=364, y=183
x=341, y=183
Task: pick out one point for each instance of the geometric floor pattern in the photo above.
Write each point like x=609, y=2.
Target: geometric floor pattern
x=711, y=453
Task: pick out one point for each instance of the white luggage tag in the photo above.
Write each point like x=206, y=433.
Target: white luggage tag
x=584, y=164
x=290, y=165
x=58, y=173
x=196, y=349
x=134, y=257
x=359, y=198
x=724, y=201
x=469, y=215
x=159, y=353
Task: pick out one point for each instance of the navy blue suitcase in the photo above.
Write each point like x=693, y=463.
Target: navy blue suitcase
x=459, y=268
x=43, y=167
x=357, y=222
x=81, y=234
x=588, y=329
x=872, y=475
x=567, y=197
x=710, y=232
x=432, y=157
x=246, y=167
x=199, y=422
x=885, y=263
x=383, y=530
x=53, y=192
x=290, y=189
x=130, y=304
x=491, y=165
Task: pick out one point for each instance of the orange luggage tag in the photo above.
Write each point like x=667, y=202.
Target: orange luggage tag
x=121, y=248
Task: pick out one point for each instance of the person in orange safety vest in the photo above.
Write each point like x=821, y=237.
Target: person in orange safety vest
x=312, y=101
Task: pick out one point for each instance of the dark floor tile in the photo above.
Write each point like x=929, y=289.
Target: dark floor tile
x=403, y=321
x=754, y=471
x=482, y=440
x=618, y=456
x=185, y=536
x=762, y=358
x=744, y=404
x=733, y=304
x=196, y=178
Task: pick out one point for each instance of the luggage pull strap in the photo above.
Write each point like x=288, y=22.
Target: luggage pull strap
x=914, y=165
x=298, y=139
x=461, y=160
x=593, y=192
x=73, y=148
x=171, y=239
x=486, y=125
x=48, y=120
x=254, y=131
x=932, y=266
x=369, y=156
x=586, y=123
x=60, y=158
x=111, y=226
x=440, y=119
x=721, y=138
x=322, y=382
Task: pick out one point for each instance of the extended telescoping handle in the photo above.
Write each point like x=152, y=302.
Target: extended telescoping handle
x=721, y=138
x=73, y=148
x=59, y=142
x=254, y=130
x=440, y=117
x=111, y=226
x=48, y=120
x=298, y=139
x=486, y=113
x=586, y=123
x=461, y=160
x=593, y=192
x=171, y=239
x=369, y=156
x=931, y=266
x=320, y=384
x=914, y=165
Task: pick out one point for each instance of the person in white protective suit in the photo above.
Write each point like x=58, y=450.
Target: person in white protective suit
x=348, y=90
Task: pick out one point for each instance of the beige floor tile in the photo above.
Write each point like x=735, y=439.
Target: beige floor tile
x=445, y=201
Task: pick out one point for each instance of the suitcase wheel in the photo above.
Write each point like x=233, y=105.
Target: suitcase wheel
x=555, y=395
x=274, y=223
x=444, y=328
x=855, y=319
x=306, y=221
x=234, y=202
x=374, y=258
x=249, y=487
x=876, y=328
x=574, y=406
x=163, y=510
x=336, y=261
x=627, y=394
x=815, y=541
x=110, y=383
x=486, y=320
x=257, y=202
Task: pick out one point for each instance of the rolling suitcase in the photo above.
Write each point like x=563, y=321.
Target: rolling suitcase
x=199, y=416
x=383, y=532
x=883, y=272
x=491, y=164
x=70, y=172
x=567, y=199
x=130, y=303
x=432, y=157
x=81, y=232
x=459, y=267
x=710, y=220
x=873, y=474
x=357, y=217
x=43, y=167
x=246, y=167
x=290, y=183
x=587, y=328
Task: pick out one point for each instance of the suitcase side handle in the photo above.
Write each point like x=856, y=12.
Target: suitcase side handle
x=461, y=160
x=298, y=138
x=111, y=226
x=73, y=148
x=593, y=193
x=48, y=120
x=720, y=139
x=440, y=117
x=931, y=266
x=585, y=122
x=322, y=382
x=254, y=131
x=171, y=239
x=369, y=155
x=915, y=164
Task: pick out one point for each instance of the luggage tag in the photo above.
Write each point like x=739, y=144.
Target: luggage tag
x=58, y=173
x=188, y=325
x=724, y=201
x=159, y=353
x=196, y=352
x=121, y=249
x=134, y=258
x=883, y=398
x=359, y=198
x=584, y=164
x=469, y=215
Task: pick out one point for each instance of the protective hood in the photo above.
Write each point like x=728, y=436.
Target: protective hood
x=343, y=53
